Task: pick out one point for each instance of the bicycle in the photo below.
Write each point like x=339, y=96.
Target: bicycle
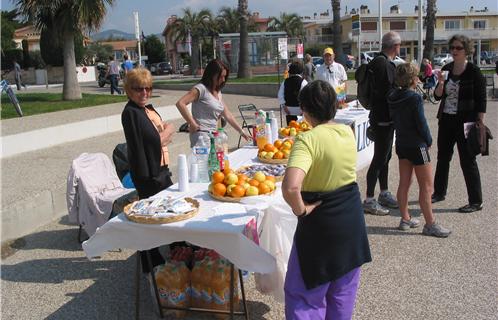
x=426, y=90
x=12, y=96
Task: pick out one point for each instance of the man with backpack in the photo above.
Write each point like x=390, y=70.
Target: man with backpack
x=380, y=79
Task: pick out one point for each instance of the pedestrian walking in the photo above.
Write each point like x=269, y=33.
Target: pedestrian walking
x=113, y=74
x=463, y=101
x=309, y=68
x=330, y=243
x=380, y=120
x=413, y=140
x=18, y=75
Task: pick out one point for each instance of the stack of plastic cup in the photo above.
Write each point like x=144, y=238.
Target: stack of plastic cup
x=182, y=173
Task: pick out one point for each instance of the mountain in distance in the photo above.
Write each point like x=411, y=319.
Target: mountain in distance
x=112, y=34
x=116, y=34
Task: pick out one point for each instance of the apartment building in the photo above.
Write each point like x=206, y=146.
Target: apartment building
x=479, y=25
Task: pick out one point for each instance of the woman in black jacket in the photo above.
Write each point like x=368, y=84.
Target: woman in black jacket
x=463, y=99
x=147, y=137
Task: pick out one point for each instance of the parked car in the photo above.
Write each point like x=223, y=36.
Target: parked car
x=317, y=61
x=368, y=56
x=161, y=68
x=442, y=59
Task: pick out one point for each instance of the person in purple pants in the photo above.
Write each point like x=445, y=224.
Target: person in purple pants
x=330, y=243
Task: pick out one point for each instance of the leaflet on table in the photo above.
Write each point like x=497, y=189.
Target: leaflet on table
x=161, y=206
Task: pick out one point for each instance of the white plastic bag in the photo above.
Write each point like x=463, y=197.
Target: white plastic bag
x=276, y=235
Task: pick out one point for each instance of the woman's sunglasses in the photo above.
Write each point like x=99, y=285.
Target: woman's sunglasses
x=140, y=89
x=456, y=48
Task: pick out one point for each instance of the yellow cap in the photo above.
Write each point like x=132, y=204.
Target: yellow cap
x=328, y=51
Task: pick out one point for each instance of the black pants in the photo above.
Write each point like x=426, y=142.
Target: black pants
x=450, y=132
x=379, y=167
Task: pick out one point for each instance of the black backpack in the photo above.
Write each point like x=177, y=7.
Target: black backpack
x=365, y=79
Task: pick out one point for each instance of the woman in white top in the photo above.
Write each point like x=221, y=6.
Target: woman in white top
x=207, y=103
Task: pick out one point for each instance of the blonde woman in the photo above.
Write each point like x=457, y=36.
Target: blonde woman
x=413, y=140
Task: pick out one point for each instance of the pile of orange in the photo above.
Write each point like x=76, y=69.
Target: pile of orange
x=240, y=185
x=294, y=128
x=280, y=149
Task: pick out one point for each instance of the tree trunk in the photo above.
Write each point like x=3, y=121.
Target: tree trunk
x=71, y=88
x=244, y=67
x=429, y=33
x=194, y=59
x=336, y=27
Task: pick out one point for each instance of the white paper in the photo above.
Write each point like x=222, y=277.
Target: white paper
x=466, y=128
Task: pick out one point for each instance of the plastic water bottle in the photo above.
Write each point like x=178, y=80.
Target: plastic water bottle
x=213, y=163
x=200, y=155
x=220, y=150
x=274, y=127
x=224, y=142
x=260, y=129
x=268, y=133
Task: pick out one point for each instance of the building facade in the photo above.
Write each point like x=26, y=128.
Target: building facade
x=480, y=25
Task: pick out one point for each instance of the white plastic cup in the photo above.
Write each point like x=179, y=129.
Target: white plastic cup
x=445, y=74
x=182, y=173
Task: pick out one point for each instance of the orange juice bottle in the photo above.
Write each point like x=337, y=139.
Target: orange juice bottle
x=261, y=138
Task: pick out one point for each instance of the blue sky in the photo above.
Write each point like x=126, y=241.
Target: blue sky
x=154, y=13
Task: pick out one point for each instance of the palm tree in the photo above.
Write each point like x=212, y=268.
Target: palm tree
x=71, y=17
x=198, y=25
x=228, y=20
x=244, y=70
x=430, y=23
x=290, y=23
x=336, y=29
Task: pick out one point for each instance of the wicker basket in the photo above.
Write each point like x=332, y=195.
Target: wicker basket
x=162, y=220
x=277, y=178
x=232, y=199
x=273, y=161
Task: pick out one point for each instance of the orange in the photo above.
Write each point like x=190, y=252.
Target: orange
x=294, y=124
x=227, y=171
x=253, y=182
x=268, y=147
x=271, y=178
x=242, y=178
x=238, y=191
x=289, y=140
x=264, y=188
x=219, y=189
x=278, y=143
x=217, y=176
x=278, y=155
x=286, y=131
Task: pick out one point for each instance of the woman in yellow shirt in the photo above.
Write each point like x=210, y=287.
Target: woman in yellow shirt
x=330, y=243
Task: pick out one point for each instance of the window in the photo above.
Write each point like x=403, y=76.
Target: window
x=452, y=24
x=397, y=25
x=327, y=31
x=368, y=26
x=479, y=24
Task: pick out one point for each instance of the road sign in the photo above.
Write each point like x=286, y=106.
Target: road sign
x=282, y=48
x=355, y=21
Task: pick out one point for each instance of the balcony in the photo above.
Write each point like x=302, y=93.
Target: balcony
x=439, y=34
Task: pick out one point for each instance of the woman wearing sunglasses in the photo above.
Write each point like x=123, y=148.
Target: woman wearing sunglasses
x=147, y=137
x=463, y=99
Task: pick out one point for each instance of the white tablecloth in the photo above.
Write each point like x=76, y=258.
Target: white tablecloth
x=217, y=226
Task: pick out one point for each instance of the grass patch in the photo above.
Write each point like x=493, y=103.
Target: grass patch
x=272, y=78
x=38, y=103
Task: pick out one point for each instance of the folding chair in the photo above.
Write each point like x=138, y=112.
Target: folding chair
x=247, y=112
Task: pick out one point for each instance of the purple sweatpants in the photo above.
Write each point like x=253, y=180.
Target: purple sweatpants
x=334, y=300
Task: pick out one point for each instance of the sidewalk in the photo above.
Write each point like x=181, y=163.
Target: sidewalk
x=411, y=276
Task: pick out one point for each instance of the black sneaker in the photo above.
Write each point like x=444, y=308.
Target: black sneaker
x=470, y=208
x=436, y=198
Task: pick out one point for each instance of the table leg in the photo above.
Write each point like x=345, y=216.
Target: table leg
x=154, y=284
x=137, y=287
x=232, y=289
x=241, y=279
